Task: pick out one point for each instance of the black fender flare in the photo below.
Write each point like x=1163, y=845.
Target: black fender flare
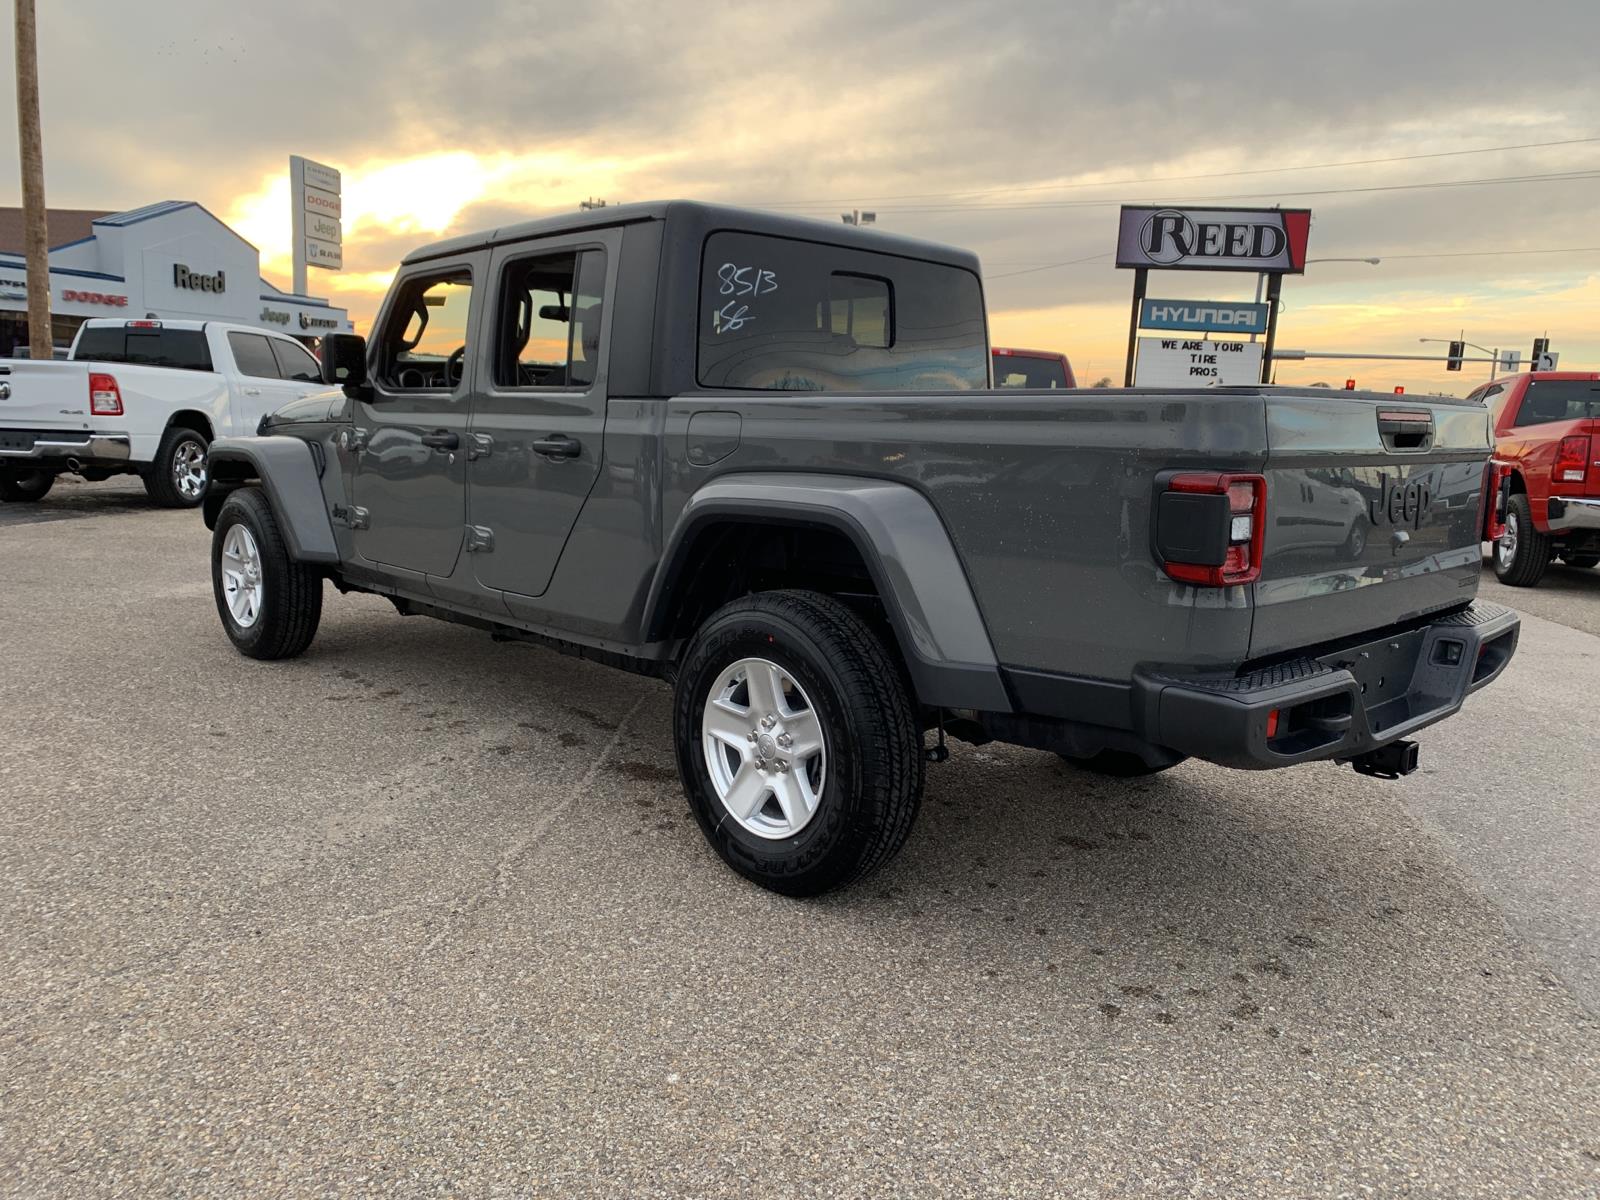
x=288, y=474
x=935, y=616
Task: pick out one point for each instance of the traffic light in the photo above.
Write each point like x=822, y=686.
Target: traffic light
x=1400, y=391
x=1458, y=351
x=1349, y=385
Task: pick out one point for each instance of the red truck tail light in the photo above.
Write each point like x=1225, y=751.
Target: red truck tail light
x=1499, y=473
x=1572, y=459
x=1210, y=527
x=105, y=400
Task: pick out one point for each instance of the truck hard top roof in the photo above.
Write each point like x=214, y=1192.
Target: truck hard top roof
x=693, y=220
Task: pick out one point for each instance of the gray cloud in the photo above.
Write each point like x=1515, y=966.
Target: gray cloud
x=827, y=102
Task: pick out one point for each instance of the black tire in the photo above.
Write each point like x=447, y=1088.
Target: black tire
x=872, y=786
x=1117, y=764
x=160, y=477
x=291, y=592
x=1581, y=562
x=24, y=487
x=1529, y=557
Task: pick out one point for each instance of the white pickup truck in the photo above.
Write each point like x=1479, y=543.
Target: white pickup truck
x=143, y=397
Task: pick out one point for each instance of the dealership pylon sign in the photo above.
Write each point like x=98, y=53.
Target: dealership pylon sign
x=1268, y=241
x=315, y=199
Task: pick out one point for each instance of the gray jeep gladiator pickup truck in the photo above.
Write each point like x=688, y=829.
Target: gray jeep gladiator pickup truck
x=759, y=457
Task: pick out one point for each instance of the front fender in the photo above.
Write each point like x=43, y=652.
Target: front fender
x=287, y=472
x=936, y=620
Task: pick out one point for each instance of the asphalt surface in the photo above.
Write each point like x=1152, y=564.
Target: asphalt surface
x=419, y=914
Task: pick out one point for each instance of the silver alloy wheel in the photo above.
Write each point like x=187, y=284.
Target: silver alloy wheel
x=241, y=576
x=1505, y=548
x=189, y=468
x=764, y=748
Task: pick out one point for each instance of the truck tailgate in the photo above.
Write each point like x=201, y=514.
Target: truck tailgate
x=45, y=395
x=1373, y=514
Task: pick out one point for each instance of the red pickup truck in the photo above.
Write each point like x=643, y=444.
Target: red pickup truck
x=1032, y=369
x=1547, y=463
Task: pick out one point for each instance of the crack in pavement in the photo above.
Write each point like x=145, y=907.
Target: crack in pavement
x=499, y=877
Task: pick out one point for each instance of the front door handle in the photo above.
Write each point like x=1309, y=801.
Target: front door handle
x=557, y=445
x=252, y=391
x=441, y=439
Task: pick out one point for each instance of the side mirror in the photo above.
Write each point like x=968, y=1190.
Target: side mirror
x=344, y=359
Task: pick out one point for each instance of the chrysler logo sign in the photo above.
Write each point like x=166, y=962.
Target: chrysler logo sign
x=1260, y=239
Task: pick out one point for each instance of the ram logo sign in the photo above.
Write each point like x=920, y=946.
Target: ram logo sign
x=1203, y=316
x=1214, y=239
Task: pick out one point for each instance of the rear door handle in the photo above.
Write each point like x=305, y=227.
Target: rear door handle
x=441, y=439
x=557, y=445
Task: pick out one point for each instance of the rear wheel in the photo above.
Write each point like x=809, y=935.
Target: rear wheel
x=270, y=605
x=1522, y=553
x=177, y=478
x=24, y=487
x=797, y=741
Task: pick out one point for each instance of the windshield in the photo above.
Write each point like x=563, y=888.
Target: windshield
x=1029, y=371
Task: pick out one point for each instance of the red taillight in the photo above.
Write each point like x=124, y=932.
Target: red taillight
x=1572, y=459
x=1496, y=524
x=142, y=324
x=104, y=398
x=1272, y=723
x=1246, y=517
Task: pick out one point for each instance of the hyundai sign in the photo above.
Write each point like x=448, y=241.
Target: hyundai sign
x=1203, y=316
x=1214, y=239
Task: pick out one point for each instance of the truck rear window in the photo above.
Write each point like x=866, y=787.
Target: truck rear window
x=780, y=314
x=1550, y=400
x=184, y=349
x=1026, y=371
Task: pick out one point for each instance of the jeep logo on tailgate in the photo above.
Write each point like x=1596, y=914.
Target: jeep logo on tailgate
x=1400, y=504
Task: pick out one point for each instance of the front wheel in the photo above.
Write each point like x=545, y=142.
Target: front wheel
x=24, y=487
x=1522, y=553
x=270, y=605
x=797, y=741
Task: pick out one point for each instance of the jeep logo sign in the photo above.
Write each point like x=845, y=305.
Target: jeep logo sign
x=182, y=277
x=1214, y=239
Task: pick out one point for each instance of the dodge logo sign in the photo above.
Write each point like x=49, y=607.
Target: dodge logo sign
x=1217, y=239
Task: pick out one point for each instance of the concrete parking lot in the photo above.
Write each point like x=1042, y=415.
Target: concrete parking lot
x=420, y=914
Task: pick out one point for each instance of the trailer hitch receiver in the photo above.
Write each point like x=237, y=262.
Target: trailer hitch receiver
x=1388, y=762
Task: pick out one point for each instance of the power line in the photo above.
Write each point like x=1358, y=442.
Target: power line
x=1352, y=162
x=1552, y=177
x=1435, y=254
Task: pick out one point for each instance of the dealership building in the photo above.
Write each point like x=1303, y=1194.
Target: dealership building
x=171, y=261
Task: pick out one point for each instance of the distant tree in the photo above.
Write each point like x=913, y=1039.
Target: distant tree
x=1103, y=381
x=1326, y=385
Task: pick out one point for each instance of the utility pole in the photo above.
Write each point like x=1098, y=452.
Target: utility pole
x=30, y=142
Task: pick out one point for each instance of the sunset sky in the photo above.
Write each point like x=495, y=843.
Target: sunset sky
x=1012, y=128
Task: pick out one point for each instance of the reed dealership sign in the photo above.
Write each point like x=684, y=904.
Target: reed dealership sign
x=1271, y=242
x=1214, y=239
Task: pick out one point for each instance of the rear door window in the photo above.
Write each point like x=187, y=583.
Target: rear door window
x=1550, y=400
x=780, y=314
x=253, y=355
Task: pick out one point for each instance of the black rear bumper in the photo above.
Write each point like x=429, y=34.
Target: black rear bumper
x=1338, y=704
